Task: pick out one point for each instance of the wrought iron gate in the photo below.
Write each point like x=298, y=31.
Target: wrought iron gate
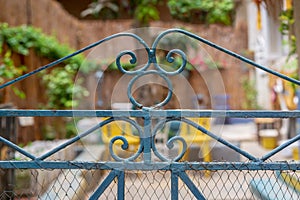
x=147, y=173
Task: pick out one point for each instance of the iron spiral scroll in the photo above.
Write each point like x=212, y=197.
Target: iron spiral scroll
x=149, y=136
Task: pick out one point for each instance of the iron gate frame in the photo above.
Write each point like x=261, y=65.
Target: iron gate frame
x=147, y=136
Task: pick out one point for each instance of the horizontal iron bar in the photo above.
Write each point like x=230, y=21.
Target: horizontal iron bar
x=131, y=166
x=152, y=113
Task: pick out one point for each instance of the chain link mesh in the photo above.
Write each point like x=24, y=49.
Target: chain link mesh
x=222, y=184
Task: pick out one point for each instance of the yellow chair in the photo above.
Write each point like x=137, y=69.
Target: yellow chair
x=194, y=136
x=119, y=128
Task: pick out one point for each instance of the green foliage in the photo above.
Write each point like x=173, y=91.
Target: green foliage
x=206, y=11
x=146, y=11
x=251, y=94
x=287, y=20
x=59, y=82
x=8, y=70
x=60, y=88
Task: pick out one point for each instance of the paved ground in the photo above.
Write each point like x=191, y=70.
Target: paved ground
x=246, y=135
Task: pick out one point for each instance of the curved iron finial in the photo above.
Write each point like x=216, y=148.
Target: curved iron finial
x=158, y=70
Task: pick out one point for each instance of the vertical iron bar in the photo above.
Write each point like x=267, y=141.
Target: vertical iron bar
x=121, y=185
x=147, y=139
x=174, y=186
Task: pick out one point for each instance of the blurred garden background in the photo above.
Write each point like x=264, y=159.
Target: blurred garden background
x=34, y=33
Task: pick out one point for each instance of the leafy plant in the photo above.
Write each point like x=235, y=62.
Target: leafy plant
x=61, y=88
x=251, y=94
x=206, y=11
x=59, y=82
x=287, y=20
x=8, y=70
x=146, y=11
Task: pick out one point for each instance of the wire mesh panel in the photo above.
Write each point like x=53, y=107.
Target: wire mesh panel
x=223, y=184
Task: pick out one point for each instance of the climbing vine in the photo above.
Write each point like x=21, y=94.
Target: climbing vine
x=59, y=82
